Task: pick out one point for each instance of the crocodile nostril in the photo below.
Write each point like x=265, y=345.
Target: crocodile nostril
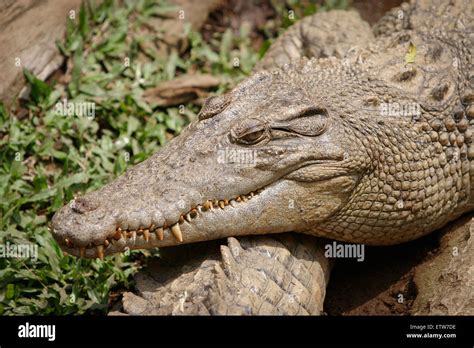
x=83, y=205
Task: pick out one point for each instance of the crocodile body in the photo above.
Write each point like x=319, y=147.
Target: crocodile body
x=370, y=142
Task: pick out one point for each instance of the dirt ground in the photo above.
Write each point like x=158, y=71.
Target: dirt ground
x=427, y=276
x=373, y=287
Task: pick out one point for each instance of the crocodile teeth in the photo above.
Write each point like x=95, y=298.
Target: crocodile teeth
x=176, y=231
x=146, y=235
x=159, y=233
x=118, y=234
x=100, y=251
x=82, y=251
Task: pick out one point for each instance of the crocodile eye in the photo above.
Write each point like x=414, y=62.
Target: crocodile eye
x=249, y=132
x=253, y=137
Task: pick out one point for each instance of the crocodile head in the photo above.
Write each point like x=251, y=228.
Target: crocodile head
x=267, y=157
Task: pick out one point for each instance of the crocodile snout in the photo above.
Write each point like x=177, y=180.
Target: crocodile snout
x=88, y=215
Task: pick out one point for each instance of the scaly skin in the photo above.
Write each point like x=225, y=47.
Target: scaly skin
x=326, y=162
x=259, y=275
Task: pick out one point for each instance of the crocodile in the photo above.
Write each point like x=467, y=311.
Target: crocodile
x=344, y=132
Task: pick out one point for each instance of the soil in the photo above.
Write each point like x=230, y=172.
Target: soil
x=233, y=14
x=405, y=279
x=382, y=284
x=372, y=10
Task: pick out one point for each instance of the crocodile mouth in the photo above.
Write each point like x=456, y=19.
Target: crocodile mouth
x=148, y=236
x=120, y=239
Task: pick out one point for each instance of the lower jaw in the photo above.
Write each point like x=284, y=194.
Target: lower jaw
x=191, y=233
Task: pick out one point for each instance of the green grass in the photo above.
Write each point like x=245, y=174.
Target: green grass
x=46, y=158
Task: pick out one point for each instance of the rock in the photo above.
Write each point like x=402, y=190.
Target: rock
x=445, y=281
